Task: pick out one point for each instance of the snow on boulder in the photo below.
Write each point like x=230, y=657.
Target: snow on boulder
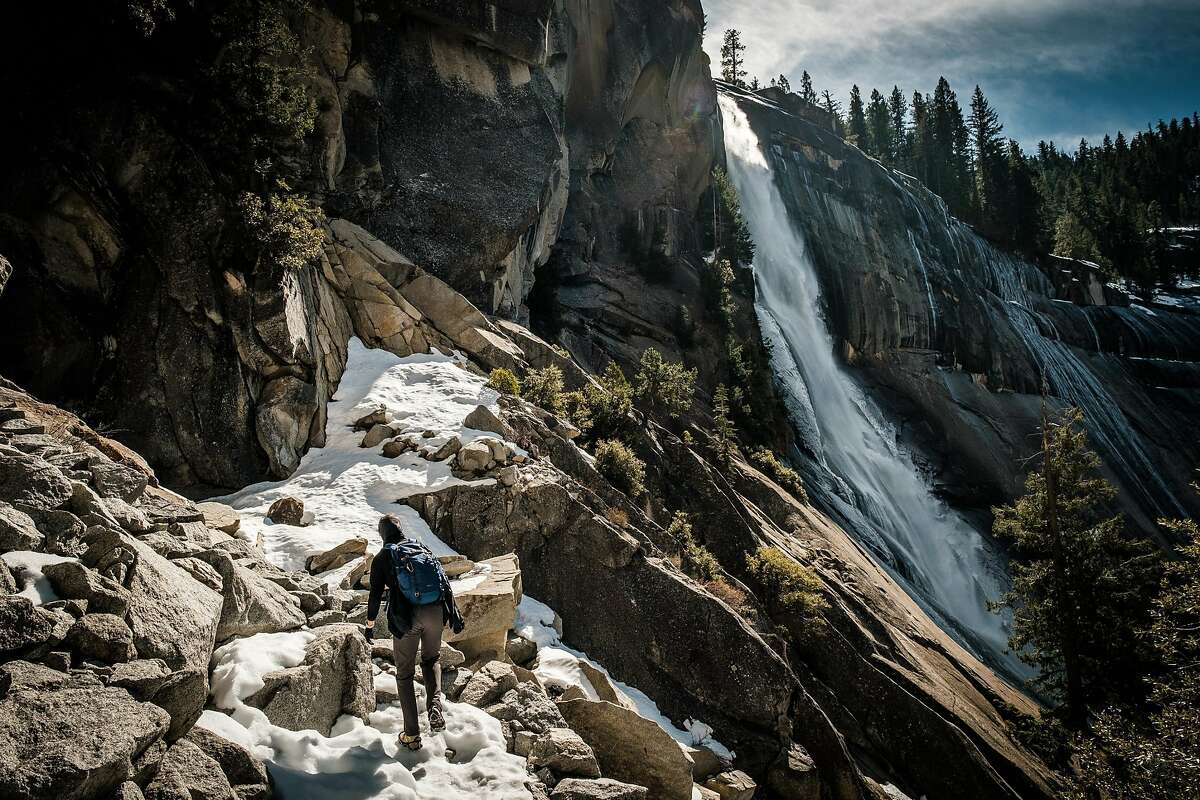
x=632, y=748
x=488, y=604
x=333, y=679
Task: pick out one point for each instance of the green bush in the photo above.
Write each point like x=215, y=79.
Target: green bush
x=793, y=586
x=504, y=381
x=601, y=412
x=781, y=473
x=696, y=559
x=544, y=387
x=286, y=227
x=683, y=326
x=667, y=387
x=621, y=467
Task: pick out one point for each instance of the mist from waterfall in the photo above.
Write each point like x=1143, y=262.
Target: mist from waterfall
x=864, y=478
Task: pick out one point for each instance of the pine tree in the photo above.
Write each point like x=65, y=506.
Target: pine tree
x=806, y=88
x=858, y=120
x=754, y=84
x=987, y=151
x=896, y=111
x=733, y=68
x=834, y=108
x=783, y=83
x=666, y=387
x=1080, y=588
x=723, y=424
x=879, y=127
x=733, y=240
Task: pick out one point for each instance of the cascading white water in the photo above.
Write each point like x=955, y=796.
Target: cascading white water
x=871, y=483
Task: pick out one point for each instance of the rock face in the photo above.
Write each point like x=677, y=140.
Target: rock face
x=956, y=335
x=334, y=679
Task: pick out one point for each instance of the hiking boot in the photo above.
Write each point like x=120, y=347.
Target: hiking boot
x=437, y=722
x=408, y=742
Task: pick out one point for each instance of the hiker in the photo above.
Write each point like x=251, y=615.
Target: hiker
x=420, y=603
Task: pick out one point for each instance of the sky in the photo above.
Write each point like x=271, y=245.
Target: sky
x=1058, y=70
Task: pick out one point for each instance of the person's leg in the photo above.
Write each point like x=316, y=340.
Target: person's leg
x=404, y=654
x=431, y=645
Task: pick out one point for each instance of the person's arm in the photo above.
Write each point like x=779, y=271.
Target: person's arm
x=379, y=568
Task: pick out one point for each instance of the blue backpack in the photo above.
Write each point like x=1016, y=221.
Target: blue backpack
x=418, y=572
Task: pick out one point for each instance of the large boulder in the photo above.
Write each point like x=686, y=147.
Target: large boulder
x=182, y=695
x=337, y=556
x=488, y=608
x=25, y=627
x=73, y=581
x=246, y=774
x=565, y=753
x=631, y=748
x=32, y=482
x=17, y=530
x=474, y=456
x=220, y=517
x=112, y=479
x=287, y=511
x=599, y=789
x=488, y=684
x=252, y=604
x=188, y=773
x=334, y=679
x=74, y=743
x=172, y=615
x=528, y=707
x=102, y=637
x=794, y=775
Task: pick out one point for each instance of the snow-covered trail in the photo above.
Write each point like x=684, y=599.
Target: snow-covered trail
x=346, y=489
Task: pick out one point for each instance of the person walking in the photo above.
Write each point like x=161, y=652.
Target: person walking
x=420, y=604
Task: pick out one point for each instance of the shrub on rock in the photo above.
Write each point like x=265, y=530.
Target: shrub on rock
x=544, y=387
x=621, y=467
x=795, y=587
x=504, y=381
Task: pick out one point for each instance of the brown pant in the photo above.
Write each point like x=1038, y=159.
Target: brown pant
x=427, y=632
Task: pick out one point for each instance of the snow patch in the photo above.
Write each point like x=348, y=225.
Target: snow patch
x=27, y=567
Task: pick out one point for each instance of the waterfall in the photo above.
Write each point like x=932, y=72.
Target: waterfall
x=863, y=477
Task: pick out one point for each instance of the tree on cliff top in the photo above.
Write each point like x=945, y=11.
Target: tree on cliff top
x=1081, y=589
x=858, y=119
x=733, y=68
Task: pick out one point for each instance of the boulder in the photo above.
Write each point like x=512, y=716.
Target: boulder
x=17, y=675
x=397, y=447
x=220, y=516
x=73, y=743
x=172, y=615
x=182, y=695
x=103, y=637
x=474, y=456
x=29, y=481
x=141, y=678
x=488, y=684
x=450, y=657
x=794, y=775
x=705, y=763
x=310, y=602
x=112, y=479
x=380, y=416
x=454, y=681
x=520, y=650
x=202, y=572
x=17, y=530
x=322, y=618
x=528, y=707
x=604, y=687
x=246, y=774
x=377, y=435
x=25, y=627
x=188, y=773
x=489, y=608
x=74, y=581
x=631, y=748
x=357, y=577
x=337, y=556
x=456, y=565
x=598, y=789
x=8, y=584
x=733, y=785
x=252, y=604
x=446, y=450
x=128, y=791
x=564, y=753
x=334, y=679
x=508, y=476
x=287, y=511
x=129, y=517
x=482, y=419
